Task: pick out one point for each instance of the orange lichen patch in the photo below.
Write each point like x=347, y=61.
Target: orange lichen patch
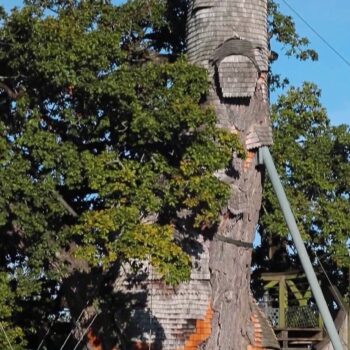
x=251, y=347
x=202, y=333
x=141, y=346
x=249, y=160
x=93, y=340
x=258, y=336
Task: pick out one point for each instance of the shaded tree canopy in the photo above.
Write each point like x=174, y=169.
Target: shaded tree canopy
x=103, y=144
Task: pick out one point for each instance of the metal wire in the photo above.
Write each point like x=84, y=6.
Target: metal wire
x=329, y=281
x=86, y=330
x=46, y=334
x=7, y=338
x=71, y=332
x=331, y=47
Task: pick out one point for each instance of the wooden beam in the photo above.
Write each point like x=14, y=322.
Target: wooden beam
x=270, y=285
x=302, y=299
x=283, y=303
x=276, y=276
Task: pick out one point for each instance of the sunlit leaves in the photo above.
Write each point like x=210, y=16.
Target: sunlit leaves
x=103, y=147
x=313, y=159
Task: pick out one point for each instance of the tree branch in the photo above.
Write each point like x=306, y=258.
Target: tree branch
x=69, y=209
x=12, y=94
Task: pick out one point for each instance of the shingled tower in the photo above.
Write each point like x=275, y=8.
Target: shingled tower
x=215, y=310
x=229, y=39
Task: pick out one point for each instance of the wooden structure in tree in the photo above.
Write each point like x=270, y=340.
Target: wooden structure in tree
x=215, y=309
x=289, y=307
x=164, y=317
x=229, y=39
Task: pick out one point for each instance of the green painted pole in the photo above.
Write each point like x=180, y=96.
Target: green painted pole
x=283, y=303
x=265, y=155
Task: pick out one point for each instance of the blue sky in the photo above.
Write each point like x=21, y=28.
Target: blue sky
x=331, y=19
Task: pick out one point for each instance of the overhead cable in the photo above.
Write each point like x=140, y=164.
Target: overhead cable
x=86, y=330
x=71, y=332
x=325, y=41
x=7, y=338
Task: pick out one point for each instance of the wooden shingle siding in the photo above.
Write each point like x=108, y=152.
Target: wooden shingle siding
x=237, y=76
x=262, y=336
x=202, y=331
x=171, y=315
x=202, y=3
x=230, y=40
x=209, y=27
x=258, y=135
x=210, y=24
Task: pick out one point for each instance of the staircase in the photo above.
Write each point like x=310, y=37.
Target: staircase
x=299, y=339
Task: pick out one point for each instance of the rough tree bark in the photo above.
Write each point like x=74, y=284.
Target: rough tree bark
x=215, y=310
x=229, y=38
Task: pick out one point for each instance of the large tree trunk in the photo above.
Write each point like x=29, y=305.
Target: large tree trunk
x=229, y=38
x=230, y=269
x=215, y=310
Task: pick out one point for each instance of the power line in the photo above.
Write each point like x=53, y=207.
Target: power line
x=46, y=334
x=7, y=338
x=346, y=61
x=86, y=330
x=329, y=281
x=71, y=332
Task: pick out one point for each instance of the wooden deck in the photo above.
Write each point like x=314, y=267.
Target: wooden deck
x=296, y=338
x=295, y=320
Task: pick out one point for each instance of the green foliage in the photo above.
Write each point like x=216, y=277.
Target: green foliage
x=282, y=30
x=103, y=144
x=312, y=158
x=8, y=307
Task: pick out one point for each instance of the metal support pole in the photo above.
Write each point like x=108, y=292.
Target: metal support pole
x=299, y=244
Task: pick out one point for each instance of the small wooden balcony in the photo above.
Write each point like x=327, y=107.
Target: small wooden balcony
x=288, y=305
